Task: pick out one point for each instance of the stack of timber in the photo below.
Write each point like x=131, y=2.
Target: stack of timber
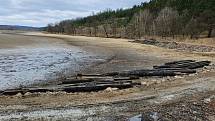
x=186, y=64
x=120, y=80
x=83, y=84
x=183, y=67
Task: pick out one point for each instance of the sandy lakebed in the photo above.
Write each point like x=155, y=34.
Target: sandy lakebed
x=184, y=98
x=36, y=60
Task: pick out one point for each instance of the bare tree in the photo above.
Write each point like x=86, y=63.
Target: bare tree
x=207, y=19
x=50, y=28
x=105, y=26
x=140, y=23
x=166, y=22
x=69, y=28
x=145, y=21
x=193, y=28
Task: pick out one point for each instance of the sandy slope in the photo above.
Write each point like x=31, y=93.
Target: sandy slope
x=122, y=55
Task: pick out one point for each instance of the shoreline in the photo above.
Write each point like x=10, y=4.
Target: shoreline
x=125, y=56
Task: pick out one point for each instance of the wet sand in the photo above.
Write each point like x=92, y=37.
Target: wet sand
x=28, y=60
x=124, y=55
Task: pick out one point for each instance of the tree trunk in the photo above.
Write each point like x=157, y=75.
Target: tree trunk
x=210, y=32
x=95, y=30
x=191, y=36
x=106, y=33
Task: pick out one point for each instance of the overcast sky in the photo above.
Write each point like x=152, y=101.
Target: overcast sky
x=41, y=12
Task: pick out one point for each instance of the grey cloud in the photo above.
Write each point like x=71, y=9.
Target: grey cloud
x=42, y=12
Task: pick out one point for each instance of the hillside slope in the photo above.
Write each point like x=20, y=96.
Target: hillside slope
x=158, y=18
x=16, y=27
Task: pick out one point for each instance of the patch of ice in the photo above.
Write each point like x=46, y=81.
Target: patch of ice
x=25, y=66
x=168, y=97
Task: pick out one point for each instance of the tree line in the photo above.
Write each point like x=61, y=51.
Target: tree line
x=166, y=18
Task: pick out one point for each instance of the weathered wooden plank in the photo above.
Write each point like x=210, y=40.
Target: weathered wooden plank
x=191, y=65
x=180, y=70
x=74, y=81
x=180, y=62
x=42, y=90
x=153, y=72
x=97, y=87
x=143, y=73
x=126, y=78
x=81, y=75
x=77, y=87
x=14, y=92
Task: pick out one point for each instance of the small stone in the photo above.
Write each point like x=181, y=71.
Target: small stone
x=178, y=77
x=194, y=103
x=27, y=93
x=144, y=83
x=109, y=89
x=158, y=82
x=194, y=112
x=62, y=93
x=207, y=100
x=18, y=95
x=12, y=71
x=154, y=116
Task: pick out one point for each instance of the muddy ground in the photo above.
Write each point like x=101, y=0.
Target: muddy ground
x=177, y=98
x=27, y=60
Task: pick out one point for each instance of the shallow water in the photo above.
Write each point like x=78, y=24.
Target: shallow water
x=26, y=66
x=152, y=116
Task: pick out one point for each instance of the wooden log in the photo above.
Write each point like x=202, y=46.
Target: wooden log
x=81, y=87
x=11, y=92
x=126, y=78
x=98, y=78
x=99, y=87
x=200, y=64
x=113, y=82
x=41, y=90
x=143, y=73
x=94, y=83
x=179, y=70
x=153, y=72
x=81, y=75
x=192, y=65
x=75, y=81
x=111, y=74
x=180, y=62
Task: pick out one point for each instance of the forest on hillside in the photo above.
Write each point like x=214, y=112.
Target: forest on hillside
x=165, y=18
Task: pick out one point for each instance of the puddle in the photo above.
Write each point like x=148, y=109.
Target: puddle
x=26, y=66
x=137, y=118
x=152, y=116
